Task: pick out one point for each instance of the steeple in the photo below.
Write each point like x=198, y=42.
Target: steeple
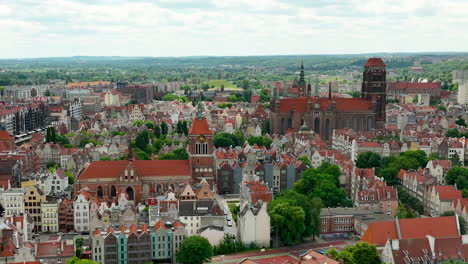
x=200, y=110
x=301, y=75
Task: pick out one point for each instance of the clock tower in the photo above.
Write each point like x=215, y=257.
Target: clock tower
x=201, y=154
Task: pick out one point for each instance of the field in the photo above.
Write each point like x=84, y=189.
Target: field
x=229, y=86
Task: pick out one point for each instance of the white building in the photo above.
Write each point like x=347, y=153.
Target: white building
x=56, y=182
x=76, y=109
x=13, y=200
x=26, y=91
x=112, y=98
x=253, y=224
x=135, y=113
x=81, y=212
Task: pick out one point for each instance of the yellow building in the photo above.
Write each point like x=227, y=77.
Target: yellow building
x=50, y=216
x=414, y=146
x=33, y=199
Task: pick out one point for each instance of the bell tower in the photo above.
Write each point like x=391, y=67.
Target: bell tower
x=201, y=155
x=374, y=87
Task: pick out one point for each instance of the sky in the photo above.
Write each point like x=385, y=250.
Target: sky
x=161, y=28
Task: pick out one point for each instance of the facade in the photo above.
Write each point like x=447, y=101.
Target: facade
x=26, y=92
x=56, y=182
x=395, y=89
x=18, y=119
x=66, y=216
x=33, y=199
x=81, y=212
x=13, y=201
x=137, y=245
x=55, y=252
x=253, y=224
x=50, y=220
x=323, y=115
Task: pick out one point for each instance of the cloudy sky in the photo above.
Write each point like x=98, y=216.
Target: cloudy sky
x=51, y=28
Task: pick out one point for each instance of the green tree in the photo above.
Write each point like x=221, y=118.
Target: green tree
x=71, y=177
x=142, y=140
x=403, y=212
x=390, y=175
x=225, y=140
x=458, y=176
x=461, y=122
x=78, y=247
x=288, y=222
x=105, y=158
x=455, y=160
x=317, y=205
x=195, y=250
x=170, y=97
x=465, y=193
x=149, y=124
x=361, y=253
x=305, y=160
x=240, y=139
x=138, y=123
x=453, y=133
x=164, y=128
x=157, y=131
x=368, y=159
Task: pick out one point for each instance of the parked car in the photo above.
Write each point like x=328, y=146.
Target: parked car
x=229, y=223
x=228, y=218
x=225, y=211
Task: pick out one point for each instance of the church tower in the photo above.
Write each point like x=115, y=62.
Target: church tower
x=374, y=87
x=301, y=84
x=201, y=156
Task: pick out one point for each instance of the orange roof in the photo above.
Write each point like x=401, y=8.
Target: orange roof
x=200, y=127
x=159, y=225
x=378, y=233
x=112, y=169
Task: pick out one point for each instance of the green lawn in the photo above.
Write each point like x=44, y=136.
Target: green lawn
x=218, y=83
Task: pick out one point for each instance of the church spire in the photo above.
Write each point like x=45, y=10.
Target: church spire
x=302, y=76
x=200, y=111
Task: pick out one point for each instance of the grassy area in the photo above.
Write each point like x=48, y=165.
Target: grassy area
x=233, y=201
x=331, y=79
x=218, y=83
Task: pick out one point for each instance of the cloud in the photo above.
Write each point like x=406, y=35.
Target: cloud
x=229, y=27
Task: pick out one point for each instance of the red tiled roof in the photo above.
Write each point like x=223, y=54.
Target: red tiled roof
x=379, y=232
x=112, y=169
x=51, y=248
x=448, y=192
x=200, y=127
x=5, y=135
x=374, y=62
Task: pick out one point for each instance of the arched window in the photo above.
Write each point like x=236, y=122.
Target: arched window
x=100, y=192
x=327, y=129
x=283, y=126
x=317, y=125
x=290, y=123
x=113, y=191
x=130, y=192
x=158, y=188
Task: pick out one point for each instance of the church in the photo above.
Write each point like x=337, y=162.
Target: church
x=323, y=115
x=143, y=179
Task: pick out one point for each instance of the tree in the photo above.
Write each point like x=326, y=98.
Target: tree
x=390, y=175
x=288, y=221
x=458, y=176
x=305, y=160
x=164, y=128
x=461, y=122
x=455, y=160
x=317, y=205
x=142, y=140
x=157, y=131
x=403, y=212
x=105, y=158
x=368, y=159
x=195, y=250
x=47, y=92
x=453, y=133
x=138, y=123
x=170, y=97
x=149, y=124
x=71, y=177
x=361, y=253
x=419, y=155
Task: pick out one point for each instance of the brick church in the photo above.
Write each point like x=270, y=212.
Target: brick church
x=142, y=179
x=322, y=115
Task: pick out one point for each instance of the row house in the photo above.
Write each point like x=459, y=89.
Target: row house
x=440, y=199
x=253, y=224
x=439, y=169
x=460, y=207
x=49, y=152
x=20, y=119
x=138, y=244
x=378, y=197
x=66, y=216
x=416, y=183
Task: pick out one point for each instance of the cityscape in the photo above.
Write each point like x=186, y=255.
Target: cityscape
x=118, y=152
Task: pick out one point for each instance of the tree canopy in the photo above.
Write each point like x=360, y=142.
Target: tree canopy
x=458, y=176
x=361, y=253
x=195, y=250
x=288, y=222
x=368, y=160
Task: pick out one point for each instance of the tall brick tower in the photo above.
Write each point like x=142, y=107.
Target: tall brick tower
x=374, y=87
x=201, y=154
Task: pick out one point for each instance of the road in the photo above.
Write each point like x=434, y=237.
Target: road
x=227, y=229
